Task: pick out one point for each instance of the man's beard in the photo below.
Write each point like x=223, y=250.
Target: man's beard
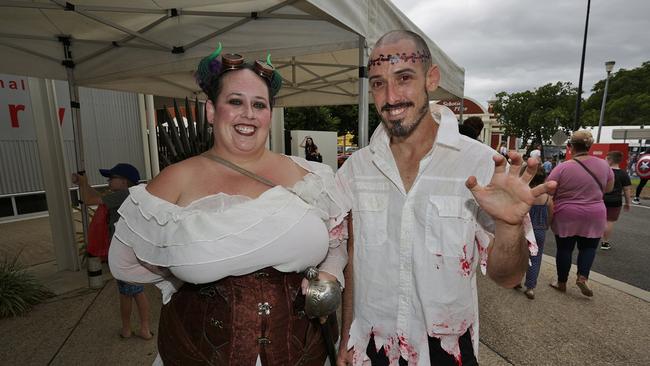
x=397, y=128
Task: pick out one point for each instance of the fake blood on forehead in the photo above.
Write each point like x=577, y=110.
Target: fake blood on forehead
x=399, y=57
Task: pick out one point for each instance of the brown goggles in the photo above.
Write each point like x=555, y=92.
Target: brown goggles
x=233, y=61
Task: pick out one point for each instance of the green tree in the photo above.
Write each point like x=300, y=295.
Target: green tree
x=341, y=118
x=310, y=118
x=628, y=98
x=349, y=117
x=536, y=115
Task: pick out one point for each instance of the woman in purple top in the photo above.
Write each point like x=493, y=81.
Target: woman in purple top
x=579, y=214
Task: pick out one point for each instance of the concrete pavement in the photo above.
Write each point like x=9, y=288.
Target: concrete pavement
x=80, y=326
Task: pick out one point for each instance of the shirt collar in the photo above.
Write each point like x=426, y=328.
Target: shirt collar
x=447, y=135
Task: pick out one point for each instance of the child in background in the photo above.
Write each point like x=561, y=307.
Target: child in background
x=613, y=201
x=120, y=178
x=541, y=214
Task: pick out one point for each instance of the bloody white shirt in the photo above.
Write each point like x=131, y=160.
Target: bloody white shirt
x=416, y=252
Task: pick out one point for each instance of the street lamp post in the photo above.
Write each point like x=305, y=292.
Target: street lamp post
x=576, y=122
x=609, y=66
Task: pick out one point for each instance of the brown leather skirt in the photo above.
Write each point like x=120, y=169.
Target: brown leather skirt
x=232, y=321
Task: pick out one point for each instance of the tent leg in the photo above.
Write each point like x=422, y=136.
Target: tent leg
x=153, y=137
x=52, y=161
x=277, y=130
x=75, y=109
x=362, y=139
x=142, y=111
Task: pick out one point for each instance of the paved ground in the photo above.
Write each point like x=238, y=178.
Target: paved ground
x=565, y=329
x=80, y=326
x=31, y=239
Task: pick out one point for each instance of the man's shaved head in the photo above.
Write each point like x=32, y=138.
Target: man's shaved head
x=395, y=36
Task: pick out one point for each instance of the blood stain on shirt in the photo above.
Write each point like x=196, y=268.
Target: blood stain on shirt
x=465, y=265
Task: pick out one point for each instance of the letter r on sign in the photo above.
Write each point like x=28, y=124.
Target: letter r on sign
x=13, y=114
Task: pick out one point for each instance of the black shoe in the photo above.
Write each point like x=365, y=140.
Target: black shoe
x=605, y=245
x=636, y=201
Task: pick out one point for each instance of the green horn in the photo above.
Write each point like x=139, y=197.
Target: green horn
x=216, y=53
x=268, y=59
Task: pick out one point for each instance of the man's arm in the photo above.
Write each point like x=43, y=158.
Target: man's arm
x=88, y=194
x=508, y=198
x=507, y=255
x=345, y=356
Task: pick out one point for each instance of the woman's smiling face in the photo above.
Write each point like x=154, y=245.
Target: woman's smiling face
x=241, y=114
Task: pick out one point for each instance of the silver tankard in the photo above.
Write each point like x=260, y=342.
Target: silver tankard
x=322, y=297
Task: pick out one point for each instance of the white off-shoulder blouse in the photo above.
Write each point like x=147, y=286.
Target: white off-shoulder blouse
x=222, y=235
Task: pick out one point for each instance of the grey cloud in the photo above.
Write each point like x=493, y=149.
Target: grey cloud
x=515, y=45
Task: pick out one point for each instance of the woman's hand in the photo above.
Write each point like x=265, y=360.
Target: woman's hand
x=508, y=197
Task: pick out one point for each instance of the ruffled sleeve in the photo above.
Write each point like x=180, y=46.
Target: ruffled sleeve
x=124, y=266
x=321, y=191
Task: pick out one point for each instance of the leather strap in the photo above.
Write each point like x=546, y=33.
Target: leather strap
x=239, y=169
x=247, y=173
x=590, y=173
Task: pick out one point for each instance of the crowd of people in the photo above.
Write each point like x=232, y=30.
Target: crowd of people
x=402, y=228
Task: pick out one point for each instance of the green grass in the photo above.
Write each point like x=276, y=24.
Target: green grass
x=19, y=290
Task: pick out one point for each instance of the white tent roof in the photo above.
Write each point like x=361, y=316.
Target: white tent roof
x=153, y=46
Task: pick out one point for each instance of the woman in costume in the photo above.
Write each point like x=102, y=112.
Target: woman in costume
x=223, y=234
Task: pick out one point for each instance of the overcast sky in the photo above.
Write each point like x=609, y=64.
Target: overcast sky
x=516, y=45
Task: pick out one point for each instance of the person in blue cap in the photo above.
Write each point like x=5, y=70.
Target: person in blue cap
x=120, y=178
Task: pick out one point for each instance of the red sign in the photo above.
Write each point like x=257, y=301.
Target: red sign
x=469, y=106
x=643, y=166
x=601, y=150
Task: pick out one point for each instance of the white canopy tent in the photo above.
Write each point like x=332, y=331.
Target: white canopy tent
x=153, y=47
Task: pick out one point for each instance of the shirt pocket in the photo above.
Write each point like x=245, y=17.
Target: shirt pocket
x=449, y=226
x=373, y=218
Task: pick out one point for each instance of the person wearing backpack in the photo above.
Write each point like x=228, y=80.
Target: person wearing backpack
x=120, y=178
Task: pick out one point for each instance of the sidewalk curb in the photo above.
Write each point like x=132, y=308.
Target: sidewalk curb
x=604, y=280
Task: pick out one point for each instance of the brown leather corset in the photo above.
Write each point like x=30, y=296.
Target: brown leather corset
x=232, y=321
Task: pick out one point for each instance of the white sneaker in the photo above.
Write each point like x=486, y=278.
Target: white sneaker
x=636, y=201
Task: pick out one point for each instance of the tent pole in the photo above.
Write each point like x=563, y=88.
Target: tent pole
x=75, y=114
x=142, y=111
x=277, y=130
x=153, y=137
x=362, y=139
